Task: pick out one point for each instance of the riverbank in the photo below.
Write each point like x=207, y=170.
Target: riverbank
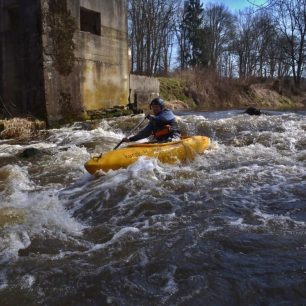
x=189, y=91
x=30, y=128
x=207, y=91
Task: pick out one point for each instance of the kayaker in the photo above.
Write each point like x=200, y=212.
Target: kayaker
x=163, y=125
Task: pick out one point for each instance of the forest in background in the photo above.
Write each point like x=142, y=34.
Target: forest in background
x=175, y=37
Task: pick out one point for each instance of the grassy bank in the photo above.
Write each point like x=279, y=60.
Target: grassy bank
x=204, y=90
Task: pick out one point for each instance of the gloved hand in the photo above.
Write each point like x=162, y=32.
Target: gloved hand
x=148, y=116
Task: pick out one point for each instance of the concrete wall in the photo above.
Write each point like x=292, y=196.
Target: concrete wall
x=55, y=79
x=99, y=78
x=142, y=90
x=21, y=69
x=105, y=58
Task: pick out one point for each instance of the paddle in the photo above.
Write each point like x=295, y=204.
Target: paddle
x=130, y=132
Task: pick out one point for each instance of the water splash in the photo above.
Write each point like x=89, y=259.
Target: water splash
x=226, y=225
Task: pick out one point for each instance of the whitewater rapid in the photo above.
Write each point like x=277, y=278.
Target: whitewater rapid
x=228, y=227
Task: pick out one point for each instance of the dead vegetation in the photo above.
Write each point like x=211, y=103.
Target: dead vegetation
x=20, y=128
x=205, y=90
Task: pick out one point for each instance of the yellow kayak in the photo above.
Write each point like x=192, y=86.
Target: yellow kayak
x=169, y=152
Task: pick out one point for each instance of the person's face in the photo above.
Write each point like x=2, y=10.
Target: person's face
x=156, y=109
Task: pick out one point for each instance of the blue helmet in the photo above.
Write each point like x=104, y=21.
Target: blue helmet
x=158, y=101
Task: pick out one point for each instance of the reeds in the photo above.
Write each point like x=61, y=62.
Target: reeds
x=20, y=128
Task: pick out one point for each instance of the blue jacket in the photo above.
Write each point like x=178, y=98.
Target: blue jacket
x=158, y=122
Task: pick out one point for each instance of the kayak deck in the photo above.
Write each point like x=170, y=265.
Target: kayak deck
x=169, y=152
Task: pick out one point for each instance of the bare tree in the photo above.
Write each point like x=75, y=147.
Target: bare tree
x=290, y=16
x=245, y=44
x=268, y=41
x=257, y=44
x=151, y=34
x=220, y=25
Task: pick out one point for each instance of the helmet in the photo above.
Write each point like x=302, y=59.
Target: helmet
x=158, y=101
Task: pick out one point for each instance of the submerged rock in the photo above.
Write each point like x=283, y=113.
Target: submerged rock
x=30, y=152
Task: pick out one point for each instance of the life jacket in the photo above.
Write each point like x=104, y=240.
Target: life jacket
x=166, y=129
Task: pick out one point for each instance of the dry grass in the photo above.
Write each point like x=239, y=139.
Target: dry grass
x=210, y=91
x=20, y=128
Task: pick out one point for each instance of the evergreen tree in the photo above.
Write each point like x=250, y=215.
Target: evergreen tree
x=192, y=23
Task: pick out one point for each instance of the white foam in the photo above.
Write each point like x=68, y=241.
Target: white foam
x=8, y=150
x=239, y=222
x=40, y=212
x=146, y=168
x=65, y=136
x=46, y=213
x=27, y=281
x=284, y=221
x=124, y=232
x=74, y=157
x=15, y=182
x=210, y=229
x=11, y=242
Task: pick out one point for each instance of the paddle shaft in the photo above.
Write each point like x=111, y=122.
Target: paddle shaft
x=130, y=132
x=117, y=146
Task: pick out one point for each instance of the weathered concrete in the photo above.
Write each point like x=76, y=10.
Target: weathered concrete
x=142, y=90
x=55, y=63
x=21, y=68
x=99, y=78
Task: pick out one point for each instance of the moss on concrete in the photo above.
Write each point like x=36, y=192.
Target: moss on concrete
x=109, y=113
x=63, y=27
x=92, y=115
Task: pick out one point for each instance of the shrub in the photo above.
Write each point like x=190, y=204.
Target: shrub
x=21, y=128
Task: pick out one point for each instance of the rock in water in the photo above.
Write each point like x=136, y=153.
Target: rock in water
x=30, y=152
x=252, y=111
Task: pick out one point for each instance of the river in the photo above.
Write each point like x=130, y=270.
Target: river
x=228, y=228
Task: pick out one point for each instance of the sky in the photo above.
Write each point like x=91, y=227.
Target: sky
x=235, y=5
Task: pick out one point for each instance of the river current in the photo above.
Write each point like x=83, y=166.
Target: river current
x=228, y=228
